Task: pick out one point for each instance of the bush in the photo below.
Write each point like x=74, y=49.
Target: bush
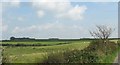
x=74, y=56
x=55, y=57
x=80, y=56
x=99, y=46
x=91, y=54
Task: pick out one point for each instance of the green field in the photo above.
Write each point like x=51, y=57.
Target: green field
x=37, y=53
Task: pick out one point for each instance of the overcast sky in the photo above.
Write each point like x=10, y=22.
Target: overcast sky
x=43, y=19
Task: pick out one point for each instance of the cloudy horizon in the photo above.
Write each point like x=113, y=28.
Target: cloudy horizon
x=68, y=19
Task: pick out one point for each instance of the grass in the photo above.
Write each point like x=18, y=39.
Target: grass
x=109, y=58
x=36, y=54
x=33, y=54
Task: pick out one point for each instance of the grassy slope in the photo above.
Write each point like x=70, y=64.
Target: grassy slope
x=36, y=54
x=111, y=57
x=33, y=54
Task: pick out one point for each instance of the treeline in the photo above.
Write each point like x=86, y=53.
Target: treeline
x=13, y=39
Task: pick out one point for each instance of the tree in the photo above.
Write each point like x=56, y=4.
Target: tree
x=12, y=38
x=102, y=32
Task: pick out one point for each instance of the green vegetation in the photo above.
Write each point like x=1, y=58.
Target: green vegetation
x=35, y=54
x=96, y=52
x=106, y=53
x=33, y=43
x=71, y=52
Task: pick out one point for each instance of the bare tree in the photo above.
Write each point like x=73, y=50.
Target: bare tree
x=102, y=32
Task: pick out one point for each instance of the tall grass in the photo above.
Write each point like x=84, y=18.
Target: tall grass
x=96, y=52
x=35, y=54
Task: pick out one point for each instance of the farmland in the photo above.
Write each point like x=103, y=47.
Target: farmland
x=33, y=54
x=36, y=54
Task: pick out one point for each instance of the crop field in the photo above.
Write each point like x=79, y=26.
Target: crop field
x=33, y=54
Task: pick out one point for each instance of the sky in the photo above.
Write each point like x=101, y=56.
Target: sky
x=45, y=19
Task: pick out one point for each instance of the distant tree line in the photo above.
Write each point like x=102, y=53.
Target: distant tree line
x=20, y=39
x=26, y=39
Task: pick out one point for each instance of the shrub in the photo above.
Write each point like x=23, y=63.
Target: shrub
x=99, y=46
x=55, y=57
x=91, y=54
x=118, y=43
x=74, y=56
x=80, y=56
